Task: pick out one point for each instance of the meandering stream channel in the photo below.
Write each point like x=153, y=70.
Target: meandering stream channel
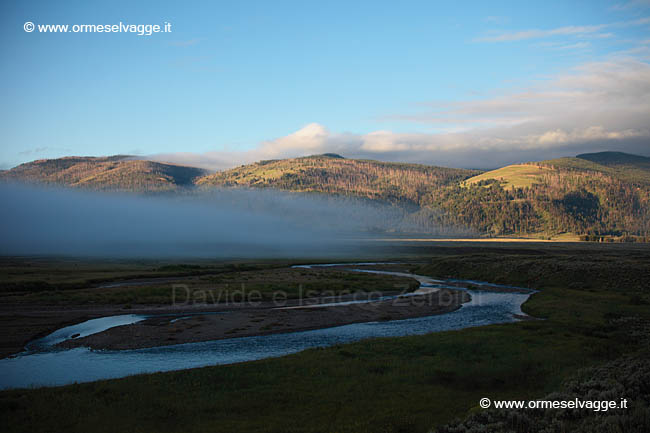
x=43, y=364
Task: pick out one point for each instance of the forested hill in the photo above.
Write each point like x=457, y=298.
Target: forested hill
x=595, y=194
x=605, y=193
x=112, y=173
x=617, y=160
x=332, y=174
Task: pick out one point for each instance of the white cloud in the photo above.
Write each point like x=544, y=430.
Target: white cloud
x=44, y=149
x=596, y=107
x=565, y=46
x=539, y=33
x=591, y=31
x=309, y=138
x=584, y=135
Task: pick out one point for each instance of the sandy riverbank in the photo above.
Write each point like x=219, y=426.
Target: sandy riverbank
x=20, y=323
x=266, y=319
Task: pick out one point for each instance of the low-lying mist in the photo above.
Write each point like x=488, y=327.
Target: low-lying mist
x=212, y=223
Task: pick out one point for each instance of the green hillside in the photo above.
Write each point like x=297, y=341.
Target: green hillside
x=511, y=176
x=114, y=173
x=332, y=174
x=617, y=159
x=602, y=194
x=623, y=166
x=546, y=198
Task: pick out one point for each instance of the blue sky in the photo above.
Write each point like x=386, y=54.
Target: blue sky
x=435, y=82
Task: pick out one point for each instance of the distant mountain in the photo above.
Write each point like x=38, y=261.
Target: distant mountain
x=619, y=165
x=114, y=173
x=333, y=174
x=577, y=195
x=565, y=195
x=605, y=193
x=617, y=159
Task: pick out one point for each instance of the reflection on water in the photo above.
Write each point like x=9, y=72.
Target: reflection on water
x=83, y=329
x=59, y=366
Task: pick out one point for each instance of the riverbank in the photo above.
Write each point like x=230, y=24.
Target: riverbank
x=21, y=324
x=390, y=384
x=590, y=296
x=41, y=295
x=245, y=322
x=192, y=319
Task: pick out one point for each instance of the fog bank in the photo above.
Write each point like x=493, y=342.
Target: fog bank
x=215, y=223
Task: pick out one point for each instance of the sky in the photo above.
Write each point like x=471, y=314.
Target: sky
x=466, y=84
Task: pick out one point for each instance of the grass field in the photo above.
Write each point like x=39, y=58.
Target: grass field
x=512, y=176
x=588, y=297
x=61, y=282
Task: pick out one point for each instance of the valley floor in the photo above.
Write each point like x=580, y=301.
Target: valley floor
x=594, y=298
x=173, y=327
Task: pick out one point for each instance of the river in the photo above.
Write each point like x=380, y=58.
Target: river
x=43, y=364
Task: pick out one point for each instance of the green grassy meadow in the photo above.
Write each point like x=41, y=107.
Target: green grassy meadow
x=512, y=176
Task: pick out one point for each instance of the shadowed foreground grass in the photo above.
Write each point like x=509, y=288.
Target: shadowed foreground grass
x=64, y=282
x=382, y=385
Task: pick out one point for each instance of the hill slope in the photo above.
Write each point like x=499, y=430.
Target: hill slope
x=617, y=159
x=511, y=176
x=623, y=166
x=332, y=174
x=114, y=173
x=593, y=194
x=578, y=195
x=565, y=195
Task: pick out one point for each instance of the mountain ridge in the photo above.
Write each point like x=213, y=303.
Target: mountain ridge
x=113, y=173
x=564, y=195
x=387, y=181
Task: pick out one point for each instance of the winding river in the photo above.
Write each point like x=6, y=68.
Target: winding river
x=42, y=364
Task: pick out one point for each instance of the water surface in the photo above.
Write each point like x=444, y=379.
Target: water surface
x=44, y=365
